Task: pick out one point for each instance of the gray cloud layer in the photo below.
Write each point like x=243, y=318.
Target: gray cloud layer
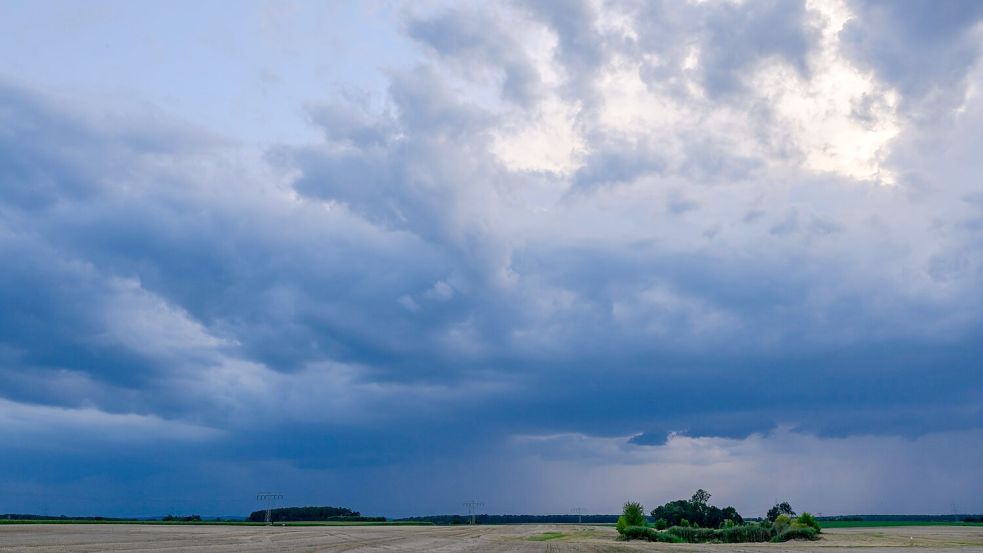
x=565, y=234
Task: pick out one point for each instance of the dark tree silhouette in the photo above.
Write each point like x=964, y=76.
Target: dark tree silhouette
x=779, y=509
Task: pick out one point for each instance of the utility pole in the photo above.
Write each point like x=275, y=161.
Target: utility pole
x=579, y=511
x=269, y=497
x=473, y=507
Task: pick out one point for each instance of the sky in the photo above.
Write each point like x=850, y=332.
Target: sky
x=396, y=256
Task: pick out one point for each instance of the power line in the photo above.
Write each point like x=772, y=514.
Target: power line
x=269, y=497
x=473, y=507
x=579, y=511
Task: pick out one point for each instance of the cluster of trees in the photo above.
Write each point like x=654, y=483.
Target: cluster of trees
x=695, y=512
x=189, y=518
x=696, y=521
x=305, y=514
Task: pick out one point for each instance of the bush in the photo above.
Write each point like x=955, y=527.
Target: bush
x=649, y=534
x=748, y=533
x=693, y=535
x=634, y=513
x=621, y=525
x=661, y=524
x=684, y=523
x=635, y=533
x=782, y=523
x=807, y=520
x=664, y=537
x=800, y=533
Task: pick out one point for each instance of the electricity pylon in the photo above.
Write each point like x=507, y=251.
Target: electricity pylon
x=579, y=511
x=473, y=507
x=269, y=497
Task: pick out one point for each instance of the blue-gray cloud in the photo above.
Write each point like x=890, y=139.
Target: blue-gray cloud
x=924, y=48
x=402, y=293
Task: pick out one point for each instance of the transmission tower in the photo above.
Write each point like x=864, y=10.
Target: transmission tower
x=579, y=511
x=270, y=498
x=473, y=507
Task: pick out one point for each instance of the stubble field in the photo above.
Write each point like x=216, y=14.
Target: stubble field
x=71, y=538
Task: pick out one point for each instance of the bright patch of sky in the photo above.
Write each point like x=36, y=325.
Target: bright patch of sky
x=245, y=71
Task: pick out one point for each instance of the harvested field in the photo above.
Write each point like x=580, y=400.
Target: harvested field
x=70, y=538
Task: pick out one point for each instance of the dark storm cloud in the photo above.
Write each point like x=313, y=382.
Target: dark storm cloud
x=925, y=48
x=474, y=40
x=732, y=38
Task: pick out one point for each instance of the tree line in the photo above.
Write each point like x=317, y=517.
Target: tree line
x=312, y=514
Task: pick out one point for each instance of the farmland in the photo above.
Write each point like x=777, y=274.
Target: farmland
x=882, y=523
x=73, y=538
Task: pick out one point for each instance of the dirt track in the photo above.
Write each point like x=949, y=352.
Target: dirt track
x=66, y=538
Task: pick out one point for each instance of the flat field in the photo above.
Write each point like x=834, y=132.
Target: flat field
x=880, y=523
x=70, y=538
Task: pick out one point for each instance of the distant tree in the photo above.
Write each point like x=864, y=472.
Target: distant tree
x=661, y=524
x=701, y=497
x=779, y=509
x=632, y=514
x=730, y=513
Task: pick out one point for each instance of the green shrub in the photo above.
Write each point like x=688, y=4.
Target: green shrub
x=664, y=537
x=649, y=534
x=806, y=519
x=684, y=523
x=634, y=513
x=727, y=523
x=622, y=525
x=635, y=533
x=782, y=523
x=800, y=533
x=748, y=533
x=661, y=524
x=693, y=535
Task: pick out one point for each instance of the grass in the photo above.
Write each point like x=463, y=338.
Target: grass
x=215, y=523
x=877, y=523
x=548, y=536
